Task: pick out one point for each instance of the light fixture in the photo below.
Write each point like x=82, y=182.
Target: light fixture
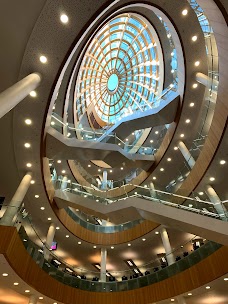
x=94, y=247
x=89, y=165
x=110, y=171
x=99, y=170
x=182, y=135
x=128, y=244
x=33, y=94
x=212, y=179
x=184, y=12
x=27, y=290
x=57, y=228
x=195, y=85
x=64, y=18
x=40, y=298
x=79, y=243
x=200, y=193
x=29, y=165
x=59, y=161
x=172, y=71
x=43, y=59
x=27, y=145
x=37, y=196
x=5, y=274
x=197, y=63
x=172, y=54
x=169, y=159
x=190, y=205
x=112, y=247
x=225, y=279
x=192, y=104
x=126, y=139
x=175, y=148
x=121, y=168
x=143, y=240
x=42, y=208
x=52, y=123
x=156, y=132
x=154, y=177
x=151, y=141
x=208, y=287
x=172, y=300
x=162, y=169
x=194, y=38
x=67, y=236
x=222, y=162
x=156, y=232
x=32, y=182
x=189, y=294
x=15, y=283
x=28, y=121
x=49, y=218
x=187, y=121
x=63, y=171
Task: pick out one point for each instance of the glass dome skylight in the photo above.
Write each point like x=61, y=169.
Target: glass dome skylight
x=119, y=73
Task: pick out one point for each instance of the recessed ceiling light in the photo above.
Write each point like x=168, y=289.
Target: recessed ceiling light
x=172, y=54
x=59, y=161
x=5, y=274
x=16, y=283
x=27, y=145
x=194, y=38
x=27, y=290
x=128, y=244
x=222, y=162
x=79, y=243
x=156, y=132
x=64, y=18
x=37, y=196
x=67, y=236
x=119, y=144
x=172, y=300
x=29, y=165
x=192, y=104
x=208, y=287
x=40, y=298
x=89, y=165
x=175, y=148
x=187, y=121
x=52, y=123
x=182, y=135
x=43, y=59
x=126, y=139
x=189, y=294
x=28, y=121
x=201, y=193
x=49, y=218
x=57, y=228
x=42, y=208
x=172, y=71
x=151, y=141
x=184, y=12
x=63, y=171
x=33, y=94
x=112, y=247
x=94, y=247
x=197, y=63
x=195, y=85
x=156, y=232
x=143, y=240
x=169, y=159
x=32, y=182
x=121, y=168
x=212, y=179
x=190, y=205
x=110, y=171
x=154, y=177
x=225, y=279
x=99, y=170
x=162, y=169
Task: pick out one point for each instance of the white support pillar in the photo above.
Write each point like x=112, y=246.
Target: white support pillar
x=64, y=183
x=214, y=198
x=207, y=81
x=32, y=299
x=167, y=246
x=49, y=240
x=187, y=155
x=105, y=180
x=103, y=264
x=16, y=201
x=17, y=92
x=152, y=190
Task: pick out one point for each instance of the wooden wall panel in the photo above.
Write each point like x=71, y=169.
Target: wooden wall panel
x=202, y=273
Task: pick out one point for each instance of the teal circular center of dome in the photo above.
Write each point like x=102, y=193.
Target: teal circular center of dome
x=113, y=82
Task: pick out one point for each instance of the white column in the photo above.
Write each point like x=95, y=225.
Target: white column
x=104, y=180
x=32, y=299
x=214, y=198
x=64, y=183
x=103, y=264
x=187, y=155
x=152, y=190
x=167, y=246
x=207, y=81
x=16, y=201
x=49, y=240
x=17, y=92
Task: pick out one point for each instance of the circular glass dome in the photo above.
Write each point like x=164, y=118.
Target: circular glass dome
x=119, y=73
